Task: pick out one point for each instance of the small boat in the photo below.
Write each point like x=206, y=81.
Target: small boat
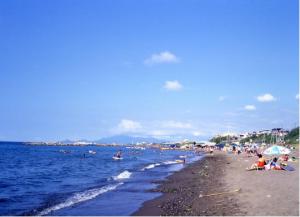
x=117, y=158
x=92, y=152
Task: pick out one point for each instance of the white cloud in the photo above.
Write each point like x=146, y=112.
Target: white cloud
x=159, y=133
x=172, y=85
x=163, y=129
x=176, y=125
x=163, y=57
x=198, y=133
x=266, y=98
x=129, y=126
x=222, y=98
x=250, y=107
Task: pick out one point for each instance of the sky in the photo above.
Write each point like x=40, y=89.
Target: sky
x=164, y=68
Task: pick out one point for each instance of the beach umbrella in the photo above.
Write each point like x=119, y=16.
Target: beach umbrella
x=276, y=150
x=221, y=145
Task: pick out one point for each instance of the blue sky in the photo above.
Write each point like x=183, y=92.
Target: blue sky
x=89, y=69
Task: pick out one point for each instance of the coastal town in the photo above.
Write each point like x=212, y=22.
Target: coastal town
x=261, y=137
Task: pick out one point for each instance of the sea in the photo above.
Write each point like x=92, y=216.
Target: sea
x=82, y=180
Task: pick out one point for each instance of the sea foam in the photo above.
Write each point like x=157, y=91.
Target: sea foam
x=80, y=197
x=170, y=162
x=150, y=166
x=124, y=175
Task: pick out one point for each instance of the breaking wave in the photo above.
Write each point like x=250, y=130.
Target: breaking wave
x=123, y=175
x=80, y=197
x=150, y=166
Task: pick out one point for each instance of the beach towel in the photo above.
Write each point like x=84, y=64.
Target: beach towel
x=287, y=168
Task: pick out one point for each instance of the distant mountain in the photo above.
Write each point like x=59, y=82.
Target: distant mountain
x=119, y=139
x=67, y=141
x=125, y=139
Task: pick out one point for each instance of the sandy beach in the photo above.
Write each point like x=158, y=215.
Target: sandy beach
x=232, y=190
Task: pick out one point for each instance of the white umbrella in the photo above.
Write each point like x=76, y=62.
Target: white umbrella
x=276, y=150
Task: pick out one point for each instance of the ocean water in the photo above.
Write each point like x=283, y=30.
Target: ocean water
x=68, y=180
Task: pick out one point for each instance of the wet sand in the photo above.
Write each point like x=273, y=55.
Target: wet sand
x=259, y=192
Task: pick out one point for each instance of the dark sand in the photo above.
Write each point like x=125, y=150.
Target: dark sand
x=182, y=190
x=261, y=192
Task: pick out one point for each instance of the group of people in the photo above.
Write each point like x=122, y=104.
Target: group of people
x=272, y=164
x=207, y=149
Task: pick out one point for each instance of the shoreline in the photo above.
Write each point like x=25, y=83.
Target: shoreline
x=181, y=191
x=249, y=193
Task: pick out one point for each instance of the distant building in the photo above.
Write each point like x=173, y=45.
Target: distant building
x=264, y=132
x=279, y=132
x=243, y=135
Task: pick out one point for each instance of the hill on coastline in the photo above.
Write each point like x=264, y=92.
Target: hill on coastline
x=291, y=138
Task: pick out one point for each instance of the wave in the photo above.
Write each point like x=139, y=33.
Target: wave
x=150, y=166
x=171, y=162
x=80, y=197
x=124, y=175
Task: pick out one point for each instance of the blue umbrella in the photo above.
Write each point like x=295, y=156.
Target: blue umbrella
x=276, y=150
x=221, y=145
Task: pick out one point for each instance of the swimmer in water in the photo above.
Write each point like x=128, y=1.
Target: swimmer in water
x=118, y=154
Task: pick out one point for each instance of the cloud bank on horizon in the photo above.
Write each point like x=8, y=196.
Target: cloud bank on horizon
x=167, y=129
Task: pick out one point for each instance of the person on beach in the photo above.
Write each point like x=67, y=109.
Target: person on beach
x=284, y=157
x=248, y=152
x=274, y=165
x=259, y=164
x=255, y=151
x=234, y=149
